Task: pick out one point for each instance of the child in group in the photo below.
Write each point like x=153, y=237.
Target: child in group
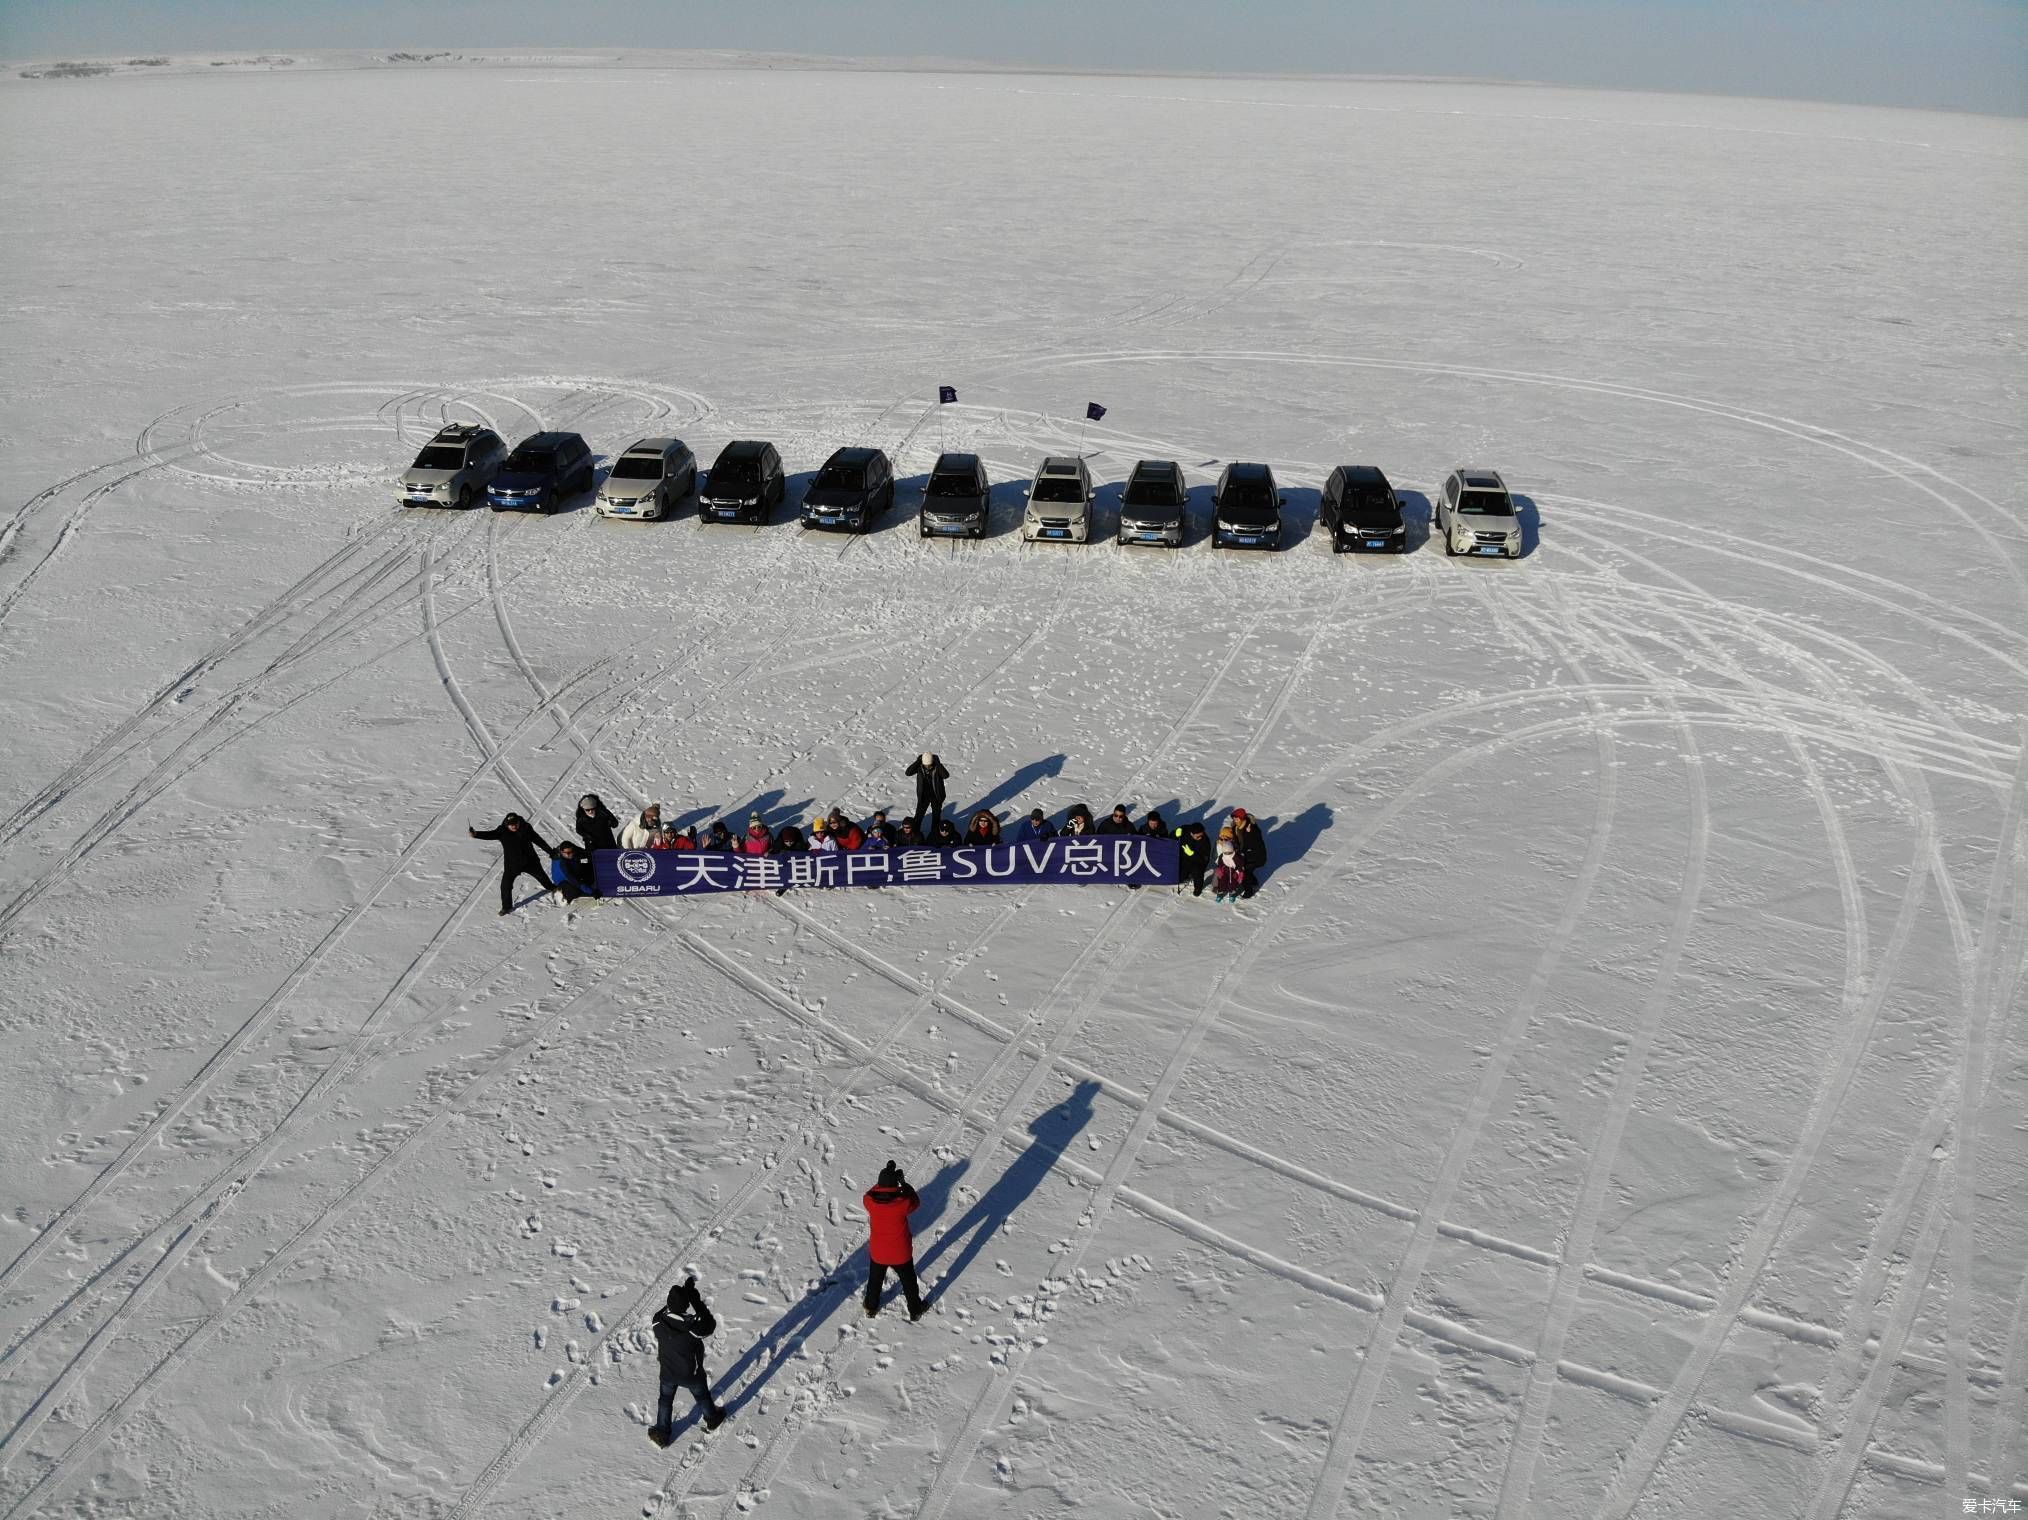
x=1228, y=878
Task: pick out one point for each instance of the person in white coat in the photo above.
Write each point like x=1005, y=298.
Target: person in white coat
x=640, y=834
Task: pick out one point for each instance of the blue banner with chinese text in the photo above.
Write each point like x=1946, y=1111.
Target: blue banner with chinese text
x=1112, y=859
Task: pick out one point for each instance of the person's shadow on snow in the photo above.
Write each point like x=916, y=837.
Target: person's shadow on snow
x=1290, y=838
x=1012, y=787
x=843, y=1284
x=1052, y=1130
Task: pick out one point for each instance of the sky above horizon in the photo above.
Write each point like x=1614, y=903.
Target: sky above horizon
x=1955, y=54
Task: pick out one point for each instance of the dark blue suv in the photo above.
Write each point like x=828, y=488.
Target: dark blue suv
x=544, y=470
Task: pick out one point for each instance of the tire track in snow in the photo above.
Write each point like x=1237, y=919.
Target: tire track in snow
x=1349, y=1430
x=255, y=1024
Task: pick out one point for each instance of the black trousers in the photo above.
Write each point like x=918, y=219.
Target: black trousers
x=936, y=818
x=1195, y=874
x=507, y=877
x=700, y=1390
x=876, y=1276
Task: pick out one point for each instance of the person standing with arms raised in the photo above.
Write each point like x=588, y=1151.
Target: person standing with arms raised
x=930, y=778
x=891, y=1244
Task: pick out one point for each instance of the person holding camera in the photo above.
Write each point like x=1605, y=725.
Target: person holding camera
x=680, y=1327
x=891, y=1246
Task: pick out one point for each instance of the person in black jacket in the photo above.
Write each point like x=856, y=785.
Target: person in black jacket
x=1115, y=822
x=518, y=844
x=946, y=836
x=680, y=1327
x=1078, y=820
x=930, y=776
x=1252, y=845
x=721, y=838
x=1193, y=856
x=596, y=825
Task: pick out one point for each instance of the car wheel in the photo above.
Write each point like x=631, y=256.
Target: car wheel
x=465, y=499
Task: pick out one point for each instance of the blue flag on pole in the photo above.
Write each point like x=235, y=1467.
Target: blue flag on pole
x=1094, y=411
x=946, y=394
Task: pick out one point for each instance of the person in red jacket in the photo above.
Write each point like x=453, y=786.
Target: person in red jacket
x=889, y=1202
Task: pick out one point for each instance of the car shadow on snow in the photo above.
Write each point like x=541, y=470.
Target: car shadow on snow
x=1299, y=517
x=1415, y=518
x=1051, y=1132
x=1530, y=518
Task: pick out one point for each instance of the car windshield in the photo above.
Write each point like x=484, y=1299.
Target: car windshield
x=735, y=479
x=530, y=461
x=638, y=467
x=440, y=457
x=1058, y=488
x=1373, y=504
x=1485, y=504
x=1158, y=492
x=1248, y=501
x=953, y=485
x=840, y=477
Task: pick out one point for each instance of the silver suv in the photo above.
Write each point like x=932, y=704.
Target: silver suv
x=1475, y=515
x=1059, y=502
x=648, y=479
x=454, y=468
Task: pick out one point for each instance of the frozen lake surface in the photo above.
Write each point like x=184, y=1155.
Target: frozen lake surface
x=1611, y=1104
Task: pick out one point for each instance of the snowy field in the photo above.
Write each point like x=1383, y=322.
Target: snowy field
x=1612, y=1103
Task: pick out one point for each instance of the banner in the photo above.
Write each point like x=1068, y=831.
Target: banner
x=1102, y=860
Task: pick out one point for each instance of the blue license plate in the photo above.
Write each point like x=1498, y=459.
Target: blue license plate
x=1376, y=543
x=1151, y=538
x=1489, y=549
x=954, y=529
x=1056, y=533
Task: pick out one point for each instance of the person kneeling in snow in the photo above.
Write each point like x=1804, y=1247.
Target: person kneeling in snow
x=570, y=873
x=680, y=1326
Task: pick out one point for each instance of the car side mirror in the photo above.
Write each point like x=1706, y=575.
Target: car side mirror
x=1281, y=501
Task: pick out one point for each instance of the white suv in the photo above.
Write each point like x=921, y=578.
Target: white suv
x=648, y=479
x=1475, y=515
x=454, y=468
x=1059, y=502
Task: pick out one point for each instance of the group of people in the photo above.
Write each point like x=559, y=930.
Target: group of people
x=684, y=1322
x=1231, y=862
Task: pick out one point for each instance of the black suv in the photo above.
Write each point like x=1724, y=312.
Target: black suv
x=854, y=487
x=543, y=470
x=1361, y=511
x=745, y=484
x=957, y=497
x=1152, y=506
x=1246, y=509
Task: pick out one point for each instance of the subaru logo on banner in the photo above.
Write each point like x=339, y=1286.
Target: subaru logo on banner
x=636, y=865
x=946, y=394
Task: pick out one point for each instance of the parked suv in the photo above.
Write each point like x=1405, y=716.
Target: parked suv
x=454, y=468
x=648, y=479
x=1153, y=506
x=1246, y=509
x=854, y=487
x=543, y=470
x=745, y=484
x=1059, y=502
x=957, y=498
x=1361, y=511
x=1475, y=515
